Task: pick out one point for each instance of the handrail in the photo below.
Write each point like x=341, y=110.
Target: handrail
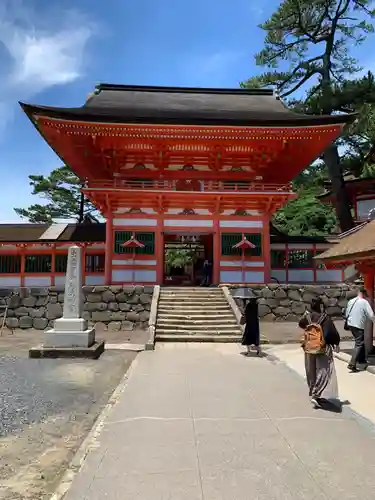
x=183, y=185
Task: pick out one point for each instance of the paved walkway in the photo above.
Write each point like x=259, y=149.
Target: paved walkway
x=203, y=422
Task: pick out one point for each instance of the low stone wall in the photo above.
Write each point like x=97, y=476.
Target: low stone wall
x=108, y=307
x=289, y=302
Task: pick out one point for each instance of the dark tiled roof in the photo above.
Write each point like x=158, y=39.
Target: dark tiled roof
x=17, y=233
x=21, y=232
x=185, y=106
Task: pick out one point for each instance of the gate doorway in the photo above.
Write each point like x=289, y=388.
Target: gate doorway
x=184, y=256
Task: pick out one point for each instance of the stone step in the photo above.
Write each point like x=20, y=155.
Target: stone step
x=217, y=320
x=184, y=291
x=203, y=309
x=190, y=289
x=187, y=332
x=197, y=338
x=194, y=316
x=192, y=297
x=197, y=327
x=198, y=302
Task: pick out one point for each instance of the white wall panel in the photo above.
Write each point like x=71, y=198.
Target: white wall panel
x=241, y=224
x=301, y=275
x=42, y=281
x=135, y=222
x=9, y=281
x=94, y=280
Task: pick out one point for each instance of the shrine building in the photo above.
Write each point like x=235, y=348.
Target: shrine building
x=170, y=167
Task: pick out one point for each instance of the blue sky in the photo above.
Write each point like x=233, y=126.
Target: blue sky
x=55, y=56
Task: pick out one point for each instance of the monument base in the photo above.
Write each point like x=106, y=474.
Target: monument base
x=69, y=338
x=92, y=352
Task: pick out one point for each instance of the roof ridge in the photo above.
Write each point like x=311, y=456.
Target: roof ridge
x=186, y=90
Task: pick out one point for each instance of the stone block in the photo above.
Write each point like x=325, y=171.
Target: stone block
x=94, y=297
x=104, y=316
x=113, y=306
x=53, y=299
x=139, y=289
x=127, y=325
x=12, y=322
x=25, y=322
x=122, y=297
x=60, y=297
x=132, y=316
x=29, y=301
x=293, y=318
x=54, y=311
x=40, y=292
x=269, y=302
x=263, y=310
x=124, y=306
x=40, y=323
x=128, y=290
x=115, y=288
x=37, y=312
x=144, y=316
x=280, y=293
x=108, y=296
x=42, y=301
x=57, y=289
x=133, y=299
x=14, y=301
x=148, y=289
x=87, y=289
x=138, y=307
x=308, y=296
x=267, y=293
x=281, y=311
x=114, y=326
x=118, y=316
x=298, y=307
x=269, y=318
x=21, y=311
x=294, y=294
x=100, y=288
x=144, y=298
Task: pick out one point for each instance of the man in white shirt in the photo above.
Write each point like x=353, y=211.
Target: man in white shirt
x=358, y=311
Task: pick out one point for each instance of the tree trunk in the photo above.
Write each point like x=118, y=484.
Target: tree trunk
x=81, y=213
x=342, y=205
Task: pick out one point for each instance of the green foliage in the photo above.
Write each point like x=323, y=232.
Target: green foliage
x=310, y=41
x=306, y=216
x=307, y=47
x=179, y=257
x=62, y=190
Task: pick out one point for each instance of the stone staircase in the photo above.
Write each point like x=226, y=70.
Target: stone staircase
x=195, y=314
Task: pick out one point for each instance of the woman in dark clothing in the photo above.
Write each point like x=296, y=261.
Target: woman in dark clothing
x=251, y=335
x=320, y=367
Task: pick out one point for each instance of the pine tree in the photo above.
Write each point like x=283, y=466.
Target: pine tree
x=311, y=40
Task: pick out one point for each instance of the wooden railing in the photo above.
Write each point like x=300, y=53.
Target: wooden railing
x=194, y=185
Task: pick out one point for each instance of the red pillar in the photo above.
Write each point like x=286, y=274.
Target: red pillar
x=217, y=252
x=108, y=249
x=368, y=278
x=159, y=252
x=266, y=250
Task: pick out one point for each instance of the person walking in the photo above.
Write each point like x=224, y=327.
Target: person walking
x=319, y=340
x=250, y=318
x=358, y=311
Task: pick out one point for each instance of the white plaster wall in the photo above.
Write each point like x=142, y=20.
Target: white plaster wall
x=279, y=274
x=301, y=275
x=278, y=246
x=122, y=275
x=60, y=280
x=330, y=275
x=135, y=222
x=230, y=276
x=124, y=210
x=94, y=280
x=237, y=263
x=254, y=277
x=42, y=281
x=135, y=262
x=10, y=281
x=188, y=223
x=145, y=276
x=241, y=223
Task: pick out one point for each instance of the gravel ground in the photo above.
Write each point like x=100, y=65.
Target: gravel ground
x=47, y=407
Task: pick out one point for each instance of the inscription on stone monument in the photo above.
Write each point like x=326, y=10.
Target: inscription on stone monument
x=73, y=284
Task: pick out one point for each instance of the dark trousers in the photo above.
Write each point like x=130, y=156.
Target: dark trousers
x=359, y=352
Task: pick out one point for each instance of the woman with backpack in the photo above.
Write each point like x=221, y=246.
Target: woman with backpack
x=319, y=339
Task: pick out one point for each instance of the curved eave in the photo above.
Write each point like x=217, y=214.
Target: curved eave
x=160, y=116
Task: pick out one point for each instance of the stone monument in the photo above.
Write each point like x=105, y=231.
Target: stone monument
x=70, y=336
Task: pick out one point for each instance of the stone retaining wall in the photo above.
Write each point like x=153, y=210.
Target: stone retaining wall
x=109, y=307
x=289, y=302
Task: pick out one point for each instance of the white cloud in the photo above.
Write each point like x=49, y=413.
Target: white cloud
x=41, y=50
